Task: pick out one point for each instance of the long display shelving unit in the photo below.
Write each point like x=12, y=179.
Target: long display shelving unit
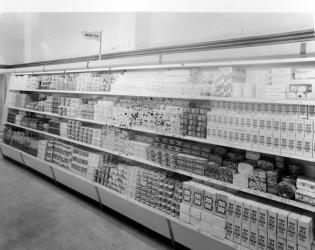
x=160, y=222
x=182, y=172
x=156, y=219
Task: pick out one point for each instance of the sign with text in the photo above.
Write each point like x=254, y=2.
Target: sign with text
x=95, y=35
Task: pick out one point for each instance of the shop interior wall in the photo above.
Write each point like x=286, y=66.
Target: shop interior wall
x=45, y=36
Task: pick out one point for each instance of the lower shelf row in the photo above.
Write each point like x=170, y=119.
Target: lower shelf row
x=214, y=212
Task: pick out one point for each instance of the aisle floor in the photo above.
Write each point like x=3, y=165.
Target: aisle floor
x=37, y=214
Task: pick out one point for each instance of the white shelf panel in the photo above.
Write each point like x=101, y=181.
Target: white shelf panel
x=199, y=177
x=201, y=98
x=40, y=166
x=190, y=138
x=11, y=152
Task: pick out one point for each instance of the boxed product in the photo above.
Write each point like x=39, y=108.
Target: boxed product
x=229, y=230
x=272, y=242
x=305, y=231
x=253, y=238
x=238, y=210
x=263, y=217
x=221, y=204
x=292, y=227
x=237, y=232
x=230, y=209
x=272, y=221
x=254, y=215
x=291, y=245
x=262, y=240
x=198, y=193
x=209, y=199
x=305, y=183
x=245, y=235
x=188, y=188
x=281, y=244
x=282, y=223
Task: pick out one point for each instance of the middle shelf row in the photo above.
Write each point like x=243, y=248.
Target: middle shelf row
x=200, y=176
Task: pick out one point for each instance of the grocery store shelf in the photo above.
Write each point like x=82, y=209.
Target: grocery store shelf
x=182, y=97
x=182, y=172
x=190, y=138
x=133, y=209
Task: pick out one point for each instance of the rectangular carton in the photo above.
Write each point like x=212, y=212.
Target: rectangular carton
x=221, y=204
x=281, y=244
x=198, y=193
x=263, y=217
x=206, y=217
x=229, y=230
x=291, y=245
x=209, y=200
x=238, y=210
x=219, y=222
x=282, y=223
x=246, y=213
x=292, y=227
x=184, y=208
x=253, y=239
x=272, y=242
x=262, y=240
x=245, y=235
x=299, y=128
x=188, y=192
x=254, y=212
x=195, y=212
x=308, y=128
x=305, y=231
x=237, y=233
x=185, y=217
x=205, y=227
x=230, y=209
x=307, y=147
x=299, y=146
x=272, y=221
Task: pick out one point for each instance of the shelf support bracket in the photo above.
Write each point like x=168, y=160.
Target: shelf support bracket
x=303, y=49
x=98, y=196
x=22, y=159
x=53, y=174
x=171, y=232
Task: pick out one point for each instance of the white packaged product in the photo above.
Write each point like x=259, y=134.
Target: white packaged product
x=272, y=242
x=305, y=231
x=272, y=221
x=282, y=223
x=263, y=217
x=229, y=230
x=245, y=235
x=281, y=244
x=253, y=239
x=305, y=183
x=292, y=227
x=262, y=240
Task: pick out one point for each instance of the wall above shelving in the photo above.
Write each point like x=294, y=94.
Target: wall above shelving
x=36, y=37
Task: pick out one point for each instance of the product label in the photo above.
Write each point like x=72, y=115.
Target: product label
x=246, y=214
x=208, y=203
x=221, y=206
x=187, y=195
x=197, y=199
